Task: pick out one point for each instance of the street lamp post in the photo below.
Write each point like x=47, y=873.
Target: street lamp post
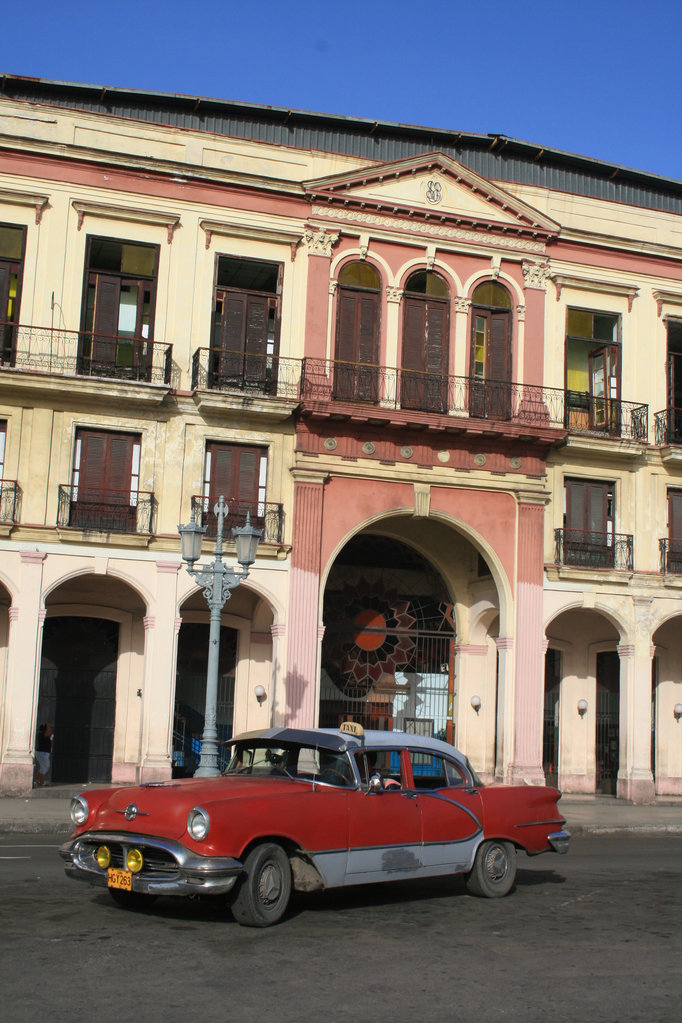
x=217, y=581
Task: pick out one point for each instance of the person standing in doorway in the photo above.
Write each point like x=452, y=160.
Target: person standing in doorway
x=43, y=751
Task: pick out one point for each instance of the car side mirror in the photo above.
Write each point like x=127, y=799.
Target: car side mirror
x=375, y=783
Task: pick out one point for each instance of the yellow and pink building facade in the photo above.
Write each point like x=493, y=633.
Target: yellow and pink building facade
x=441, y=372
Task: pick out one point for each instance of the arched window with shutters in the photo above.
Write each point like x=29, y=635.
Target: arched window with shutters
x=426, y=324
x=357, y=333
x=490, y=374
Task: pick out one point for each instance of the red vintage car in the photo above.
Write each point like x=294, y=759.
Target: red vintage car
x=307, y=809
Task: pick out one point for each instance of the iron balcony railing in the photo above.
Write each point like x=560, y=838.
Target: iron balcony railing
x=527, y=404
x=106, y=511
x=265, y=515
x=671, y=556
x=10, y=495
x=215, y=369
x=668, y=426
x=590, y=549
x=83, y=353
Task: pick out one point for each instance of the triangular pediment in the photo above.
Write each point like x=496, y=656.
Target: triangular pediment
x=435, y=187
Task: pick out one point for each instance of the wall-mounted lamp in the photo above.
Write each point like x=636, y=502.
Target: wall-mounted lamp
x=260, y=694
x=582, y=708
x=476, y=703
x=678, y=711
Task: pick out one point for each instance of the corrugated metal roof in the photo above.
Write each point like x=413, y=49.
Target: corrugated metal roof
x=492, y=156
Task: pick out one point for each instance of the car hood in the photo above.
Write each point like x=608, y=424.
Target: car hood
x=161, y=809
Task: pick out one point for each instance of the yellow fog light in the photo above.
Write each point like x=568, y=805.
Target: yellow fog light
x=134, y=860
x=103, y=857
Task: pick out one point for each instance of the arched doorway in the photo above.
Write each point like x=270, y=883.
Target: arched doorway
x=78, y=696
x=388, y=647
x=190, y=693
x=426, y=329
x=490, y=386
x=356, y=375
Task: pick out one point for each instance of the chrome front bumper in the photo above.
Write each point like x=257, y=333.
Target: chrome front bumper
x=559, y=841
x=169, y=868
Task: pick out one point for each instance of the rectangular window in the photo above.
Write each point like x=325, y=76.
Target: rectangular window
x=246, y=321
x=12, y=241
x=118, y=307
x=674, y=559
x=588, y=523
x=592, y=370
x=106, y=481
x=239, y=473
x=3, y=438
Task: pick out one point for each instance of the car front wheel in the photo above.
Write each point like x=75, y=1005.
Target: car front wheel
x=264, y=888
x=494, y=869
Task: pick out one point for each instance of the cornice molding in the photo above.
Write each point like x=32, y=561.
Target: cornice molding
x=105, y=211
x=604, y=287
x=262, y=234
x=38, y=202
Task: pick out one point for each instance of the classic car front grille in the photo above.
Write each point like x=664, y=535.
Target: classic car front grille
x=155, y=861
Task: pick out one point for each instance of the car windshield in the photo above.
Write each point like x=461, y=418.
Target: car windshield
x=293, y=760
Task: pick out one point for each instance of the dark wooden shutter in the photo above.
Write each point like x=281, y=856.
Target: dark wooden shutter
x=120, y=467
x=234, y=474
x=105, y=467
x=435, y=356
x=7, y=331
x=220, y=481
x=414, y=331
x=587, y=539
x=107, y=301
x=497, y=369
x=355, y=375
x=256, y=337
x=92, y=467
x=232, y=336
x=674, y=559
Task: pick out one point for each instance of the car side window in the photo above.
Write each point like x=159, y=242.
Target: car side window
x=385, y=762
x=431, y=771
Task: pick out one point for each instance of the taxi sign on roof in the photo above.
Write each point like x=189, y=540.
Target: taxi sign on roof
x=352, y=728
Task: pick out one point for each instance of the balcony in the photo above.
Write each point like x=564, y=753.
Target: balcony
x=264, y=515
x=671, y=556
x=10, y=496
x=83, y=354
x=105, y=511
x=588, y=549
x=239, y=373
x=523, y=405
x=668, y=427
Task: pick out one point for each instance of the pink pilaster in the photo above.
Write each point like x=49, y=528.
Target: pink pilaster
x=302, y=662
x=534, y=336
x=526, y=763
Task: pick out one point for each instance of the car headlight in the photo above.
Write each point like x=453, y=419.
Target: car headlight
x=79, y=810
x=198, y=823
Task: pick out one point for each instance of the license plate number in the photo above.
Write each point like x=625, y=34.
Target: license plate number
x=120, y=879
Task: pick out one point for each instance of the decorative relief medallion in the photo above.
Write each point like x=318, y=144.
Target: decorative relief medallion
x=443, y=456
x=330, y=443
x=515, y=462
x=406, y=451
x=479, y=460
x=434, y=191
x=368, y=447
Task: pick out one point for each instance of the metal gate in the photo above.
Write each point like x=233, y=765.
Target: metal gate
x=81, y=705
x=550, y=731
x=386, y=669
x=608, y=727
x=188, y=721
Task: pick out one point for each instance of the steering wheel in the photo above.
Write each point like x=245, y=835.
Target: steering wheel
x=331, y=776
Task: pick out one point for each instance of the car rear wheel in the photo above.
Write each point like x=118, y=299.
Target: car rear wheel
x=132, y=900
x=494, y=869
x=264, y=888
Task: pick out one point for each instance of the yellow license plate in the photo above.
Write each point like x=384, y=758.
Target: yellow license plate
x=120, y=879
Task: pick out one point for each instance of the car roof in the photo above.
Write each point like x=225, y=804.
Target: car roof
x=334, y=739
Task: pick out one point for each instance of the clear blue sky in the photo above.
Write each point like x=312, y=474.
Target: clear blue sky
x=602, y=78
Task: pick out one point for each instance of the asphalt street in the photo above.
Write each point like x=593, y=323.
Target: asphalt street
x=594, y=935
